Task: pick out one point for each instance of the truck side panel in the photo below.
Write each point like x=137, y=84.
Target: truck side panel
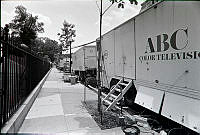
x=74, y=62
x=168, y=59
x=108, y=55
x=84, y=58
x=78, y=63
x=90, y=51
x=125, y=50
x=166, y=38
x=90, y=57
x=176, y=67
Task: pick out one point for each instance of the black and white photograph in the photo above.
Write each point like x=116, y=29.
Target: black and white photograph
x=100, y=67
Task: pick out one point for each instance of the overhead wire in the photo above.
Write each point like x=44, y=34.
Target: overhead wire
x=84, y=44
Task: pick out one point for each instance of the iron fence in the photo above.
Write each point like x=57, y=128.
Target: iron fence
x=20, y=72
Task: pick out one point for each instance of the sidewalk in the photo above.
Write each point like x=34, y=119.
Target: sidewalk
x=58, y=110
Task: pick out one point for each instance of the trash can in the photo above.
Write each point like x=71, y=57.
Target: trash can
x=72, y=80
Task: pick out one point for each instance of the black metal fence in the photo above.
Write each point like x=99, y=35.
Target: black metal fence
x=20, y=72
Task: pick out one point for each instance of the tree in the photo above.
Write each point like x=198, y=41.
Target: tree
x=68, y=32
x=66, y=38
x=25, y=26
x=45, y=46
x=121, y=2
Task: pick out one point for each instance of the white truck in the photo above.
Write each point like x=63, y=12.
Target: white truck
x=159, y=50
x=84, y=61
x=62, y=63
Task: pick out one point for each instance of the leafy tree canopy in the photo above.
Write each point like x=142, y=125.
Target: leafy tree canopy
x=46, y=47
x=25, y=25
x=67, y=34
x=121, y=2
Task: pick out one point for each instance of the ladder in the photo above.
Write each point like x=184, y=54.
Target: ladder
x=112, y=98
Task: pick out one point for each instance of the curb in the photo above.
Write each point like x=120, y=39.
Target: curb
x=15, y=122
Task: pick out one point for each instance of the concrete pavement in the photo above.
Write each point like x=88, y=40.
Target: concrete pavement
x=58, y=110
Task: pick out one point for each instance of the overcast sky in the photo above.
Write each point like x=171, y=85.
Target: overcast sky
x=83, y=13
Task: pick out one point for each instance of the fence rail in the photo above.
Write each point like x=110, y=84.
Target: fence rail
x=20, y=72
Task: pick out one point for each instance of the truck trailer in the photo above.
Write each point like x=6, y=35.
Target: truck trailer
x=84, y=62
x=158, y=51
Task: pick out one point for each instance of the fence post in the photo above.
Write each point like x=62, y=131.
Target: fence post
x=5, y=88
x=1, y=91
x=30, y=77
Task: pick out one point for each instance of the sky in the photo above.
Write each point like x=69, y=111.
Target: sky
x=83, y=13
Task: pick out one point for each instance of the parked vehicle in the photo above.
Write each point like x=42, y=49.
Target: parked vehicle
x=61, y=64
x=159, y=51
x=84, y=62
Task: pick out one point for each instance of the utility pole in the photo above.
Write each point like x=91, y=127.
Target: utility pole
x=99, y=59
x=70, y=56
x=99, y=65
